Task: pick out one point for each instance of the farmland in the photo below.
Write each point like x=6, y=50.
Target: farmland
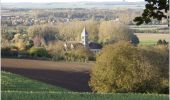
x=13, y=82
x=16, y=87
x=73, y=76
x=78, y=96
x=151, y=38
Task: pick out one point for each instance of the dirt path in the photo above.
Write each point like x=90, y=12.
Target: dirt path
x=73, y=76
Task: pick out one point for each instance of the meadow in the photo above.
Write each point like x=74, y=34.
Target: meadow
x=151, y=38
x=148, y=42
x=13, y=82
x=16, y=87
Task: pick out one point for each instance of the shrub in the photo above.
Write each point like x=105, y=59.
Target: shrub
x=29, y=44
x=56, y=50
x=38, y=52
x=83, y=54
x=70, y=56
x=80, y=54
x=162, y=42
x=159, y=56
x=159, y=42
x=23, y=54
x=8, y=52
x=5, y=51
x=124, y=68
x=134, y=40
x=46, y=32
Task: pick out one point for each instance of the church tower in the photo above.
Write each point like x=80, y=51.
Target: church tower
x=84, y=37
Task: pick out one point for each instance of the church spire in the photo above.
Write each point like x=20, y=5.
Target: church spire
x=84, y=37
x=84, y=32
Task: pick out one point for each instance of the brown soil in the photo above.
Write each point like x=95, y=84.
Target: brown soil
x=72, y=76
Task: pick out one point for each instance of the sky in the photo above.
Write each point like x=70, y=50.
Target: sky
x=44, y=1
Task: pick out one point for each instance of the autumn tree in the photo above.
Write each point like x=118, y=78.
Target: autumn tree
x=47, y=32
x=121, y=67
x=93, y=29
x=114, y=31
x=56, y=50
x=83, y=54
x=19, y=41
x=71, y=31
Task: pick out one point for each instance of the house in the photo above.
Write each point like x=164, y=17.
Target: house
x=95, y=47
x=92, y=46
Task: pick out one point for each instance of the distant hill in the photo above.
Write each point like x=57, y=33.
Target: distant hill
x=102, y=5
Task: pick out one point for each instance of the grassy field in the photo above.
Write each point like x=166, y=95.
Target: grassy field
x=13, y=82
x=148, y=42
x=16, y=87
x=78, y=96
x=151, y=38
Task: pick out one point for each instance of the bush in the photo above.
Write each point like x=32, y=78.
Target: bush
x=46, y=32
x=124, y=68
x=56, y=50
x=159, y=42
x=83, y=54
x=5, y=51
x=9, y=52
x=29, y=44
x=80, y=54
x=162, y=42
x=134, y=40
x=20, y=45
x=159, y=56
x=38, y=52
x=23, y=54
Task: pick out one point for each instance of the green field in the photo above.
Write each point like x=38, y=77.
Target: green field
x=78, y=96
x=151, y=38
x=15, y=87
x=148, y=42
x=13, y=82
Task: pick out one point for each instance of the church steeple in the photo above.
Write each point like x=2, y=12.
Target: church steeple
x=84, y=37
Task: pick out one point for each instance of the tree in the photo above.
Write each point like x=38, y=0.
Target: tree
x=56, y=50
x=71, y=31
x=21, y=45
x=47, y=32
x=122, y=67
x=19, y=41
x=154, y=9
x=29, y=44
x=93, y=30
x=110, y=31
x=134, y=40
x=162, y=42
x=159, y=56
x=159, y=42
x=38, y=52
x=83, y=54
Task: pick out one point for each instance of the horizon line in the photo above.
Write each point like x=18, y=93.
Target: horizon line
x=74, y=2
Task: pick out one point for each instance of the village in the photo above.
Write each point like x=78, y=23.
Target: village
x=84, y=51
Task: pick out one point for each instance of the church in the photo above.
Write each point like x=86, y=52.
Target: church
x=92, y=46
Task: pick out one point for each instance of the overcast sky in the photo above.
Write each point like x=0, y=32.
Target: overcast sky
x=43, y=1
